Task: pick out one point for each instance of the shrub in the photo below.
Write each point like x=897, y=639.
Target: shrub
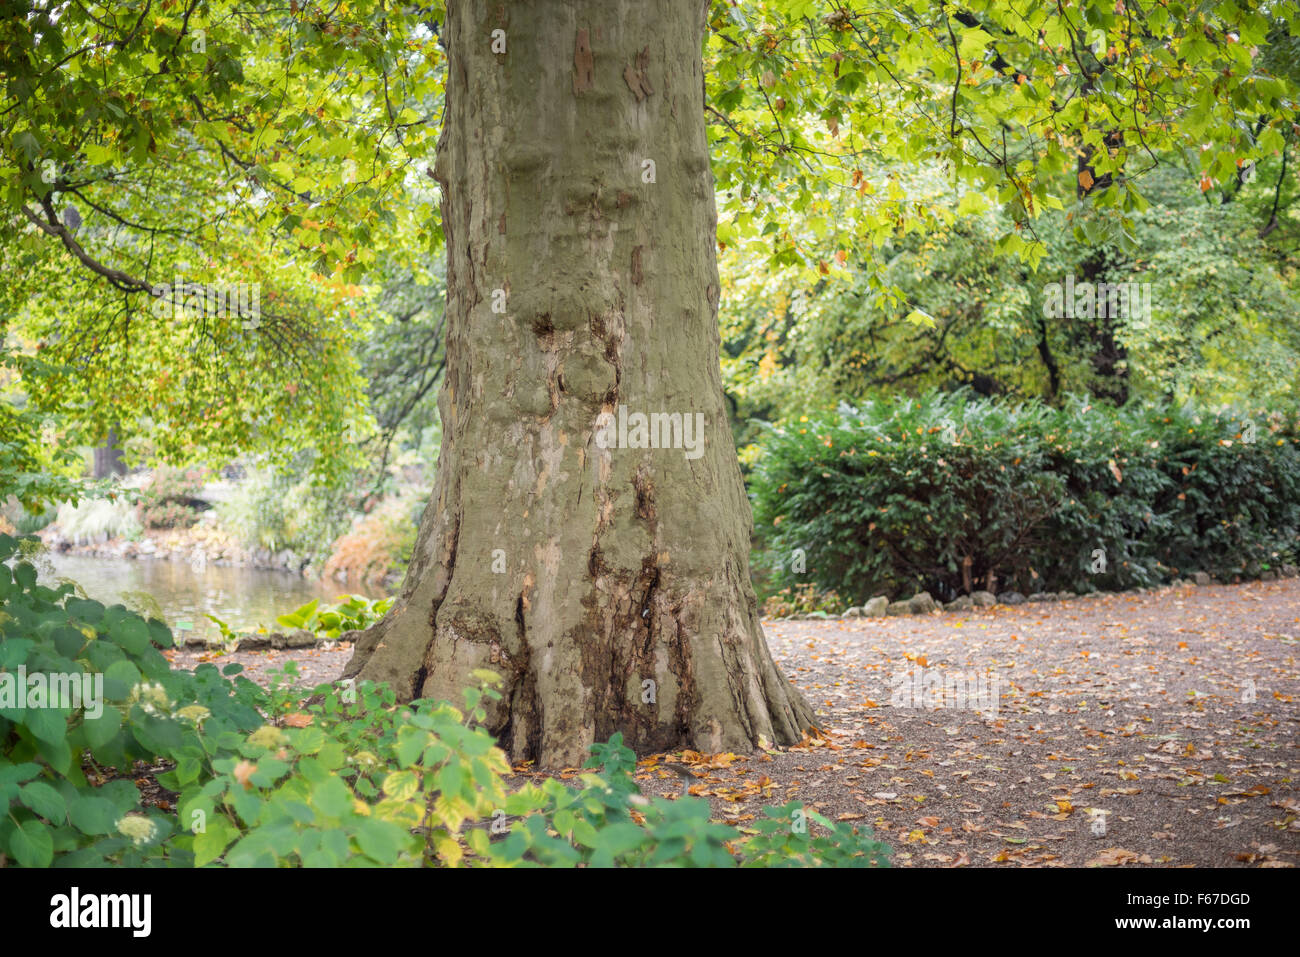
x=65, y=771
x=16, y=519
x=168, y=515
x=608, y=822
x=941, y=492
x=171, y=499
x=283, y=509
x=377, y=544
x=802, y=600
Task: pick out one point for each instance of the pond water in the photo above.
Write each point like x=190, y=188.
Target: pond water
x=242, y=597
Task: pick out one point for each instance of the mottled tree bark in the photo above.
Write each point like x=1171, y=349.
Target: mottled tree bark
x=608, y=585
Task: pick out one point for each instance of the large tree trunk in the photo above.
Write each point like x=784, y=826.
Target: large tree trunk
x=608, y=585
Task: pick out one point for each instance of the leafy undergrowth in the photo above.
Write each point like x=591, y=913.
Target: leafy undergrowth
x=263, y=777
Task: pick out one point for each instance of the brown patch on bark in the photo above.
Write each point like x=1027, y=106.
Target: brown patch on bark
x=501, y=225
x=522, y=730
x=617, y=670
x=637, y=275
x=645, y=498
x=584, y=64
x=596, y=562
x=635, y=76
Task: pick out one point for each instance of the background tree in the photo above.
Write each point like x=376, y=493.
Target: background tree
x=1222, y=325
x=208, y=143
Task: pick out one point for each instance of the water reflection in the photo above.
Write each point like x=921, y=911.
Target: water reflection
x=242, y=597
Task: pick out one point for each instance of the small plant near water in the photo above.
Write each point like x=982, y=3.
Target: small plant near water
x=348, y=613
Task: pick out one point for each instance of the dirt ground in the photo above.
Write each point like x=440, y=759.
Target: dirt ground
x=1155, y=729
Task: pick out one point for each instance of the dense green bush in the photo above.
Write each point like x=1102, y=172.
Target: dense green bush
x=64, y=801
x=260, y=777
x=171, y=498
x=937, y=493
x=608, y=822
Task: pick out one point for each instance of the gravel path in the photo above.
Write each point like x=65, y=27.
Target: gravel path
x=1146, y=729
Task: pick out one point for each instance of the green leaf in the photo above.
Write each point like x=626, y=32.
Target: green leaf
x=253, y=850
x=25, y=575
x=32, y=845
x=331, y=797
x=45, y=801
x=57, y=754
x=402, y=785
x=410, y=745
x=300, y=616
x=11, y=775
x=381, y=840
x=13, y=652
x=92, y=815
x=119, y=678
x=101, y=730
x=97, y=154
x=132, y=634
x=211, y=842
x=48, y=724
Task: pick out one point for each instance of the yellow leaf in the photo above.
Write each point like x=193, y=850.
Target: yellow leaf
x=449, y=850
x=402, y=785
x=406, y=813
